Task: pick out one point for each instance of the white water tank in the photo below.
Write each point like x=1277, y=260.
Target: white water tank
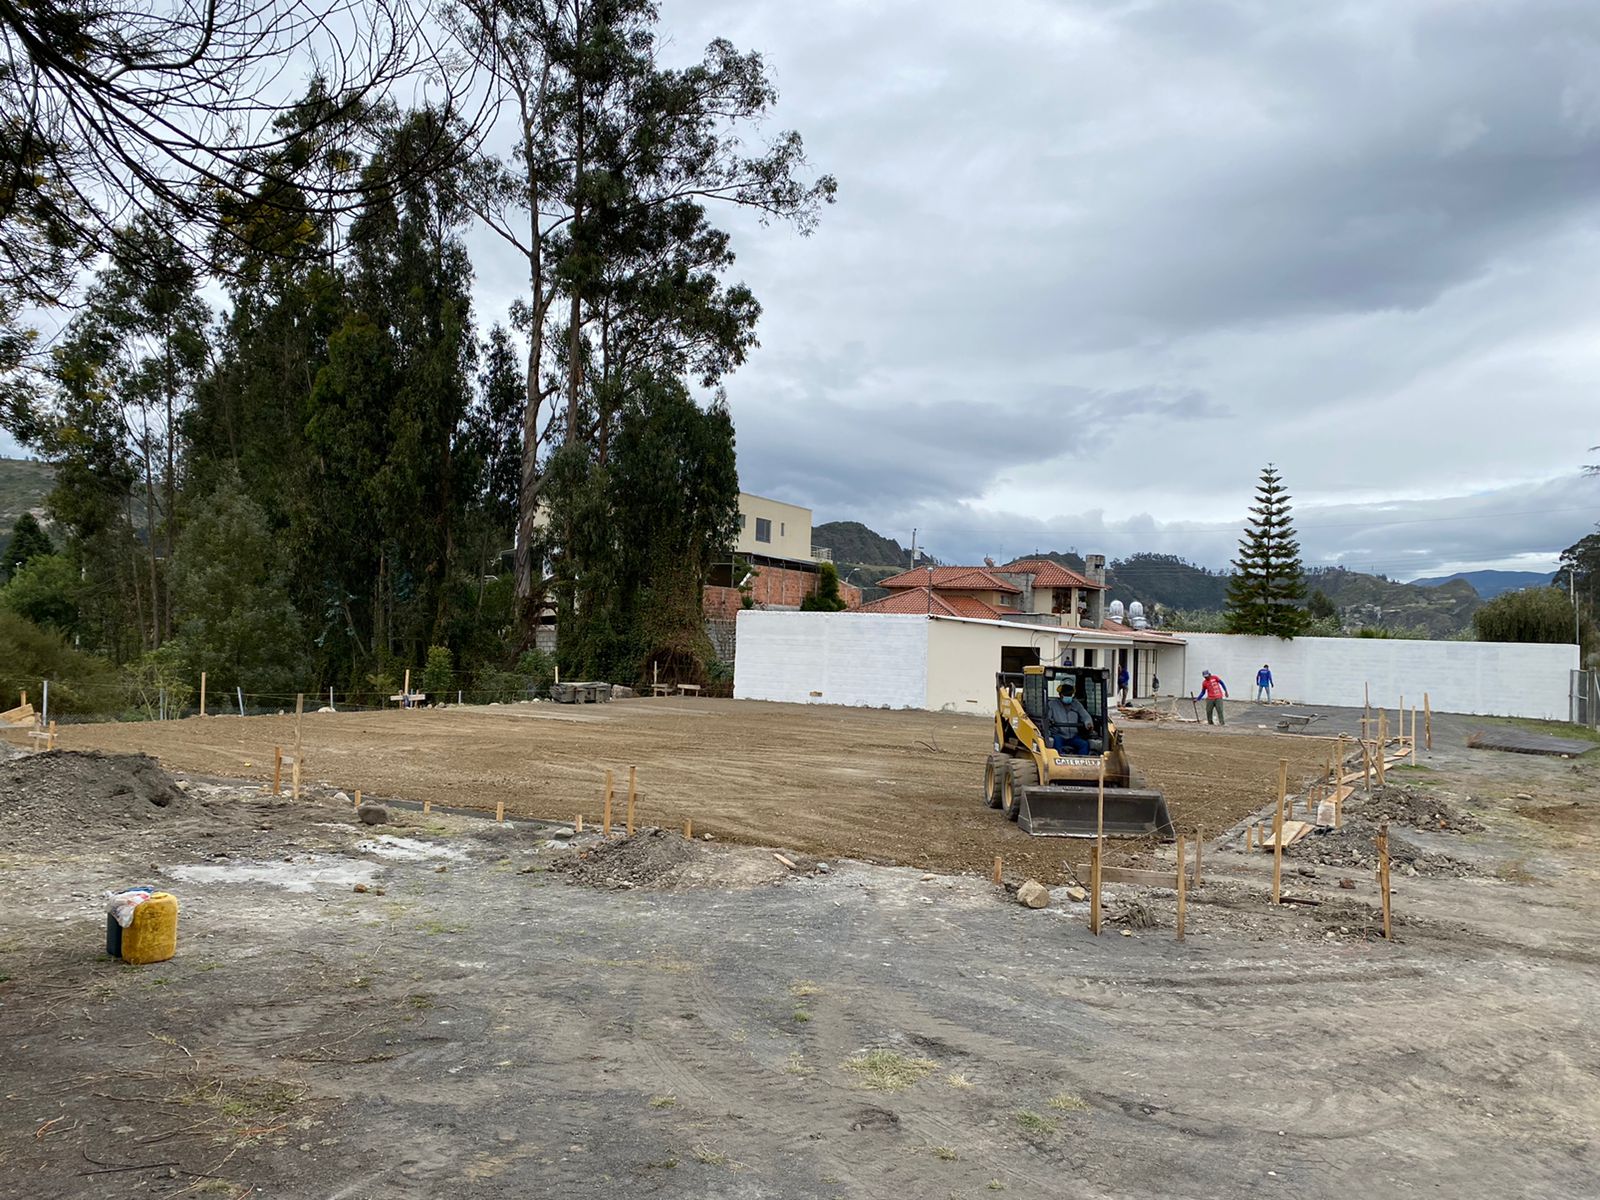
x=1115, y=612
x=1136, y=616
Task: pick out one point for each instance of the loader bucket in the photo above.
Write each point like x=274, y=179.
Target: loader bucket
x=1072, y=811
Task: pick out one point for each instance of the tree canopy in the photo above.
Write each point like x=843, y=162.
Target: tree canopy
x=1268, y=583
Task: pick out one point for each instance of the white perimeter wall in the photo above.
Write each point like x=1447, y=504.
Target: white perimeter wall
x=865, y=659
x=1509, y=679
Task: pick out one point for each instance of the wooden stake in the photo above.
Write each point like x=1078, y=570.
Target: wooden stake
x=202, y=693
x=1277, y=832
x=1383, y=878
x=605, y=816
x=633, y=791
x=577, y=824
x=1094, y=889
x=997, y=876
x=405, y=692
x=427, y=806
x=52, y=742
x=358, y=798
x=688, y=828
x=1427, y=720
x=1413, y=736
x=1383, y=742
x=1100, y=805
x=277, y=770
x=1366, y=701
x=500, y=810
x=1181, y=876
x=1366, y=765
x=1199, y=843
x=294, y=778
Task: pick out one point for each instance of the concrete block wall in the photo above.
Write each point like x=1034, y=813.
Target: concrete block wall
x=870, y=660
x=1510, y=679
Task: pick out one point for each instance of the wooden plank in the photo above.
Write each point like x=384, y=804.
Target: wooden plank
x=605, y=816
x=1199, y=844
x=633, y=795
x=1293, y=831
x=23, y=714
x=788, y=862
x=1145, y=877
x=1427, y=720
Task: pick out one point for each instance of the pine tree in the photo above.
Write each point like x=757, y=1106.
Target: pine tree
x=1268, y=583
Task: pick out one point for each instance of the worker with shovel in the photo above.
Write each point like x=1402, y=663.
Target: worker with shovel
x=1213, y=691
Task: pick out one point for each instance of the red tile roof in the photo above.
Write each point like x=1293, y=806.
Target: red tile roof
x=1050, y=574
x=1117, y=629
x=917, y=602
x=963, y=579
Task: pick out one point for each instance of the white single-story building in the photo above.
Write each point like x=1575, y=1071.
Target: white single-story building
x=948, y=664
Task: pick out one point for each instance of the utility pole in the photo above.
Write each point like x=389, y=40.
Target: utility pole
x=913, y=562
x=930, y=591
x=1577, y=630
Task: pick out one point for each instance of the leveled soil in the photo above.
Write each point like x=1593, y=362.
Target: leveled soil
x=892, y=787
x=451, y=1006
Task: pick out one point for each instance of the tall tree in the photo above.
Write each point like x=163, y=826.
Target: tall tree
x=230, y=595
x=1268, y=583
x=1541, y=614
x=614, y=161
x=28, y=541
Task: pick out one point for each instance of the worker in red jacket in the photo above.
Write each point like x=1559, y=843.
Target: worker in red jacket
x=1213, y=691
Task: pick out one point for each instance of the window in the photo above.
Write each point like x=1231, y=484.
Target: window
x=763, y=530
x=782, y=529
x=742, y=521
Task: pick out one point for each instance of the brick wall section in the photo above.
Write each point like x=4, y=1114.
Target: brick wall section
x=773, y=587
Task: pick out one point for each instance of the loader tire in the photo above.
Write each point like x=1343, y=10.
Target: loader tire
x=993, y=777
x=1021, y=774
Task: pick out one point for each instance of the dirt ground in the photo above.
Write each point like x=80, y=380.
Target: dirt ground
x=447, y=1005
x=889, y=787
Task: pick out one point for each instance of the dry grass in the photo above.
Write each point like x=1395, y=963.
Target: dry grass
x=888, y=1070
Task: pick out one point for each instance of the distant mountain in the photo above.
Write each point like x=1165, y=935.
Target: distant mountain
x=1440, y=611
x=853, y=543
x=1489, y=584
x=23, y=486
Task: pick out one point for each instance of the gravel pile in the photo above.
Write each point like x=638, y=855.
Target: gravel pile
x=121, y=790
x=1354, y=846
x=1418, y=807
x=649, y=858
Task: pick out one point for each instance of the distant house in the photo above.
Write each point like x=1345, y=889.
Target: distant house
x=1036, y=592
x=772, y=565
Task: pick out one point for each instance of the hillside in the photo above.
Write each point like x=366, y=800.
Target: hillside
x=1441, y=610
x=23, y=487
x=1489, y=584
x=853, y=543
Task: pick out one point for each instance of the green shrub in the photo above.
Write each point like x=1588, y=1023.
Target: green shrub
x=438, y=675
x=80, y=684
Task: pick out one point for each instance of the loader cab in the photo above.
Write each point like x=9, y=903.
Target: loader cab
x=1089, y=685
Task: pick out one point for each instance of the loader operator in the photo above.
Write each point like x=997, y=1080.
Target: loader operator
x=1070, y=722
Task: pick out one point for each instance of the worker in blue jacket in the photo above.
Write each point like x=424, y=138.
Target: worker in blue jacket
x=1264, y=683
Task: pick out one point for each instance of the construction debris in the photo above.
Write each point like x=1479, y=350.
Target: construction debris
x=1033, y=894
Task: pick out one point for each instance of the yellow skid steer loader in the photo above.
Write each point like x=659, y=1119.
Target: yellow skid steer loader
x=1044, y=774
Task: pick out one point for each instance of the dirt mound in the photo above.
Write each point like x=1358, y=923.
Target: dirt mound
x=1354, y=845
x=1418, y=807
x=661, y=860
x=63, y=787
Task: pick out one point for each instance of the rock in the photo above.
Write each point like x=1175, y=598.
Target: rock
x=341, y=797
x=1129, y=932
x=440, y=870
x=360, y=887
x=621, y=692
x=372, y=814
x=1033, y=894
x=705, y=837
x=1348, y=885
x=823, y=868
x=928, y=878
x=1077, y=893
x=562, y=835
x=324, y=709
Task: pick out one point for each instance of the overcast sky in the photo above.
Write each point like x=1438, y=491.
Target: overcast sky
x=1094, y=263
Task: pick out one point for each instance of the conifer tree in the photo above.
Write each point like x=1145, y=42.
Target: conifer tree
x=1268, y=584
